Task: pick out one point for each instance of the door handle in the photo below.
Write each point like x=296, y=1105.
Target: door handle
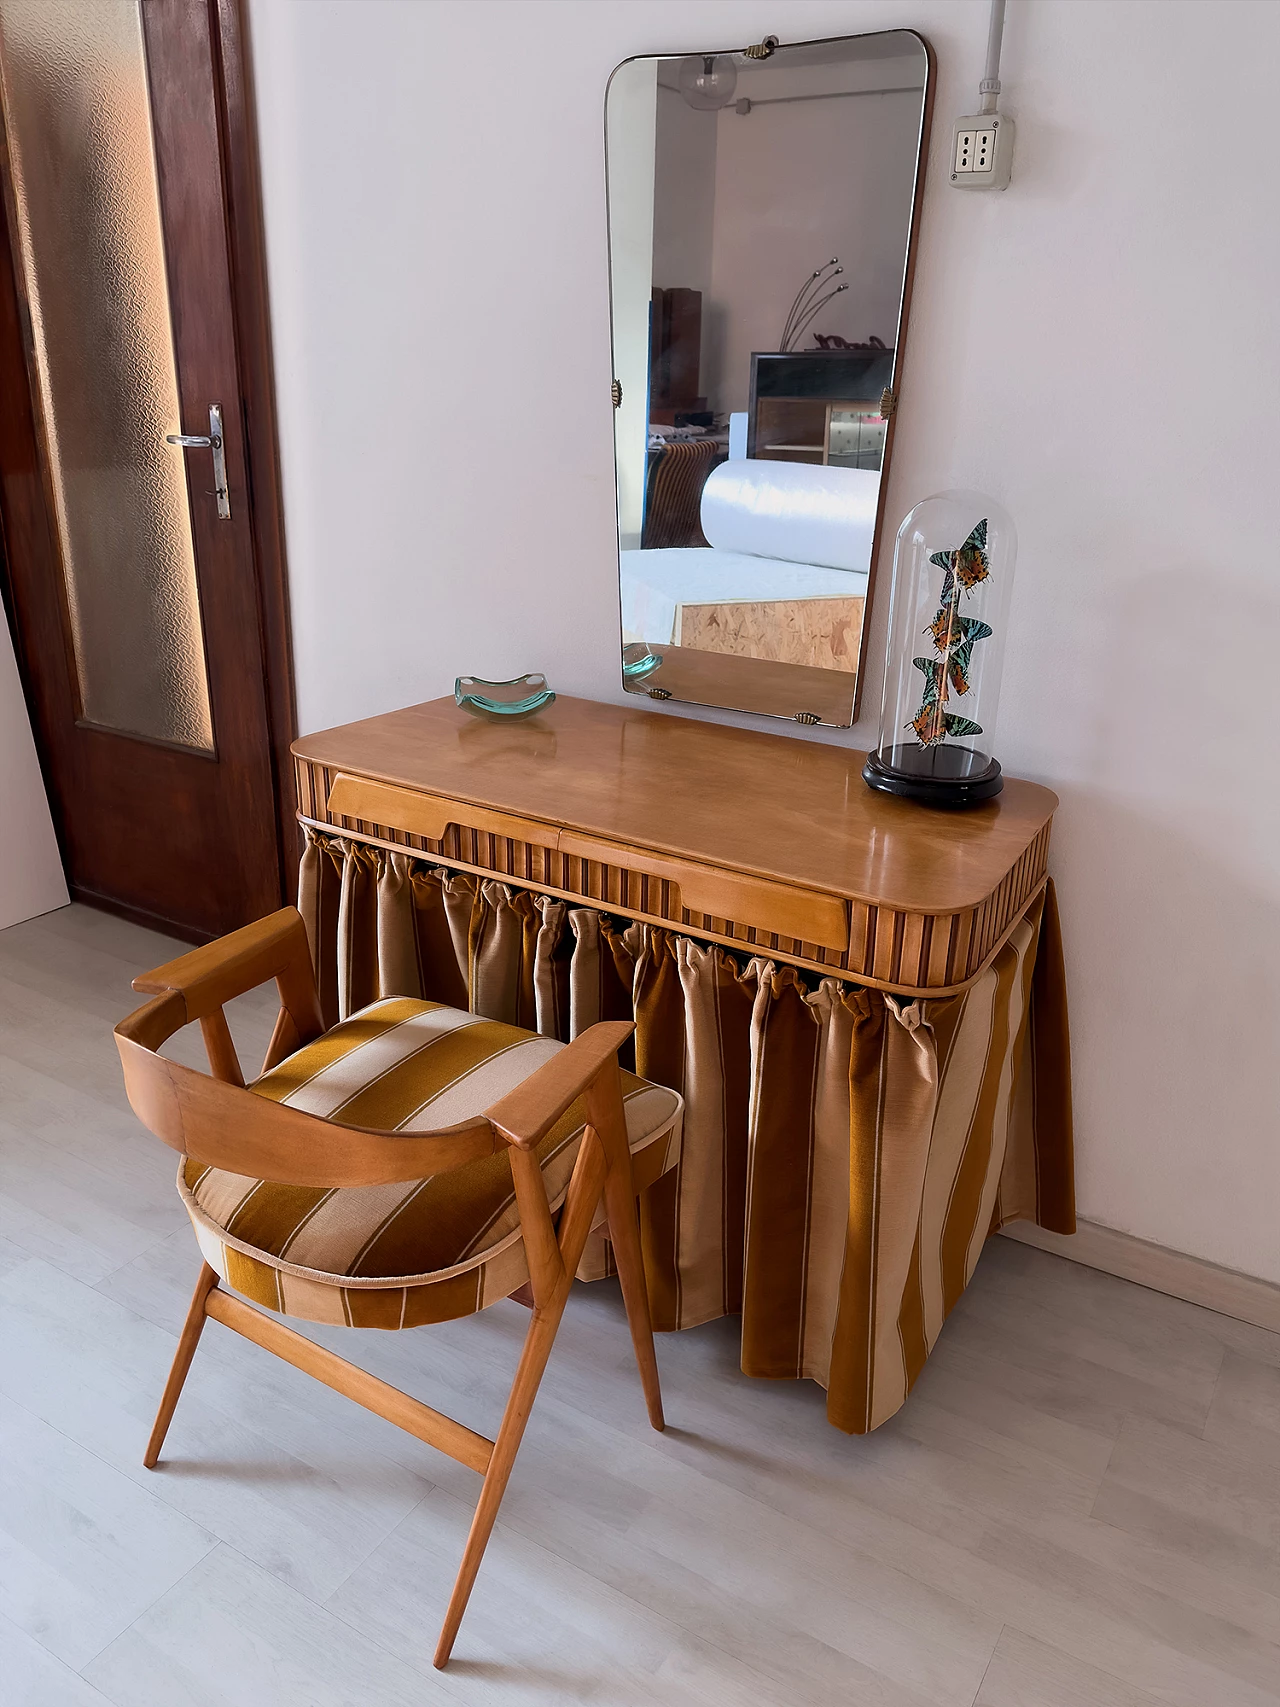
x=212, y=441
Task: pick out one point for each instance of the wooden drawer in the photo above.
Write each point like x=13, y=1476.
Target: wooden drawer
x=428, y=815
x=805, y=914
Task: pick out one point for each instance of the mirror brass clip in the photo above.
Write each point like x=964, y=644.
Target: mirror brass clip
x=888, y=403
x=615, y=391
x=762, y=50
x=659, y=693
x=806, y=717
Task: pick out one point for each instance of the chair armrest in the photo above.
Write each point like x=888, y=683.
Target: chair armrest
x=525, y=1115
x=274, y=947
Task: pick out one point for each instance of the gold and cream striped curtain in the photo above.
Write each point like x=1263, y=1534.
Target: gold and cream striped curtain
x=846, y=1153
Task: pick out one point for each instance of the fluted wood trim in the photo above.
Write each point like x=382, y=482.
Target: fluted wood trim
x=910, y=954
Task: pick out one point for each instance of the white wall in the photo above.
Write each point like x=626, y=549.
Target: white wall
x=684, y=193
x=31, y=879
x=1097, y=347
x=796, y=185
x=745, y=206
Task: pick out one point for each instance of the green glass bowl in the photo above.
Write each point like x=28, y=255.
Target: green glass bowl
x=638, y=661
x=519, y=697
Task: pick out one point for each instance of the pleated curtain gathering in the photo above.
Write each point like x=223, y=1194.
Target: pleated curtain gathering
x=845, y=1153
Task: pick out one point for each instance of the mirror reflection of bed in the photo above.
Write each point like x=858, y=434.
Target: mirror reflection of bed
x=782, y=576
x=760, y=221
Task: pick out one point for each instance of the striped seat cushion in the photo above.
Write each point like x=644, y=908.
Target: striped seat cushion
x=394, y=1256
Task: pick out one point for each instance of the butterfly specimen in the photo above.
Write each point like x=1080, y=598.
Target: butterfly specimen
x=954, y=637
x=967, y=563
x=933, y=722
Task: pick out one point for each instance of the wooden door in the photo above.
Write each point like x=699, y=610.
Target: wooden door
x=147, y=610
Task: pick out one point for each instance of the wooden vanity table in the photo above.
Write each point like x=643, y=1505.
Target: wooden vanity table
x=751, y=900
x=765, y=843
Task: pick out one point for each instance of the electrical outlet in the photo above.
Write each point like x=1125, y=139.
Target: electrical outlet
x=982, y=156
x=973, y=150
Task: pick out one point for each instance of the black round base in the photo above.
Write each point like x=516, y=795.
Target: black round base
x=935, y=776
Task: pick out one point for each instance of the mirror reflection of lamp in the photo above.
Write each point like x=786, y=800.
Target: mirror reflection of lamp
x=707, y=81
x=809, y=302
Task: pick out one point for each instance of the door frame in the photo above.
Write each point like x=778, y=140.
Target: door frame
x=233, y=96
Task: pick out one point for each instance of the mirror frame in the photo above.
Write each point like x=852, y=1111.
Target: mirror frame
x=635, y=686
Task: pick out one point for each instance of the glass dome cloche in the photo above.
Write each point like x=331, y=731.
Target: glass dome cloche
x=948, y=621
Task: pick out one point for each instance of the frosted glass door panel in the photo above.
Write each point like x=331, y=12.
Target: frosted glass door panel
x=92, y=256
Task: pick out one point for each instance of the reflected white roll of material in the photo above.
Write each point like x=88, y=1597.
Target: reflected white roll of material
x=792, y=510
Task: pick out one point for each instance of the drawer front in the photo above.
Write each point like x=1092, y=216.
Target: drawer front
x=428, y=815
x=805, y=914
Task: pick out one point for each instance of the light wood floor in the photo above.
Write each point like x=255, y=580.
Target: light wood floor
x=1078, y=1507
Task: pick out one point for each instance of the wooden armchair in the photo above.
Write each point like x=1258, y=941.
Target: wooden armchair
x=404, y=1167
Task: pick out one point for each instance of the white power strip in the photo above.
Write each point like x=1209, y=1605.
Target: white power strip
x=982, y=152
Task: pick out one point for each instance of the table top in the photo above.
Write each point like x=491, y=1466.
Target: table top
x=781, y=807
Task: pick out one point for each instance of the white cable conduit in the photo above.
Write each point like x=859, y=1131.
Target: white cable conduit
x=990, y=85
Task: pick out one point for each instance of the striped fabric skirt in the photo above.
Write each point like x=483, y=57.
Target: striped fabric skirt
x=846, y=1153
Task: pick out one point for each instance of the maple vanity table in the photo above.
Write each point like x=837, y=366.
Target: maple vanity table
x=860, y=999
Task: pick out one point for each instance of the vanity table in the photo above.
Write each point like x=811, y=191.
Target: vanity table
x=861, y=1000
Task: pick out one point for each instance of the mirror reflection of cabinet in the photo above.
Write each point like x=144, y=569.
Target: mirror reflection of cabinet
x=822, y=407
x=675, y=354
x=750, y=442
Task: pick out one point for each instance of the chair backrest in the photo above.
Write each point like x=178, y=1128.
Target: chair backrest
x=677, y=476
x=212, y=1117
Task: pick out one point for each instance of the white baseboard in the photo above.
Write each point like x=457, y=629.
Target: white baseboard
x=1222, y=1289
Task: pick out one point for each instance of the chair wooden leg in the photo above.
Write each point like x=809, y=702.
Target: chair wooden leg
x=605, y=1110
x=580, y=1205
x=533, y=1360
x=192, y=1328
x=624, y=1234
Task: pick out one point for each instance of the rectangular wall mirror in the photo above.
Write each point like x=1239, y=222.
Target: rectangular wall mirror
x=762, y=212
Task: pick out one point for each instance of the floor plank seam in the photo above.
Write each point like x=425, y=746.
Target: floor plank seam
x=369, y=1635
x=323, y=1600
x=138, y=1256
x=764, y=1504
x=168, y=1589
x=7, y=1623
x=686, y=1629
x=1217, y=1382
x=521, y=1538
x=986, y=1668
x=152, y=1490
x=1102, y=1479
